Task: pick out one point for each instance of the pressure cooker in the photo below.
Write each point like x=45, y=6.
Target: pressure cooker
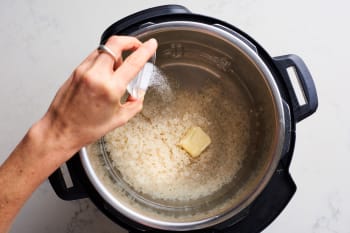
x=201, y=46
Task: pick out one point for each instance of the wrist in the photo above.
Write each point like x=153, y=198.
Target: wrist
x=51, y=141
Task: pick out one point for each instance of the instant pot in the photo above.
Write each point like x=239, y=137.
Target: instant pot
x=190, y=44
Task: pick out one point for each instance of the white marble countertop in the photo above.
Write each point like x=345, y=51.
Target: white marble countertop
x=43, y=41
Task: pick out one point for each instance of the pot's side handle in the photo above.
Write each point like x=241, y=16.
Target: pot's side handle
x=306, y=83
x=58, y=183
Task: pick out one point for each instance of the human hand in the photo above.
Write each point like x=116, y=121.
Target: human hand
x=88, y=105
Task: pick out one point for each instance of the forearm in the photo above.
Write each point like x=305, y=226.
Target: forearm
x=33, y=160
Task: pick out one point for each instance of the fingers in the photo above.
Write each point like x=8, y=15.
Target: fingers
x=89, y=61
x=97, y=68
x=134, y=63
x=128, y=110
x=117, y=44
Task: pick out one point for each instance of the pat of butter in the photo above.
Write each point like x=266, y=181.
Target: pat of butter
x=195, y=141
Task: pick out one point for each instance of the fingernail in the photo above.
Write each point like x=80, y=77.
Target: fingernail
x=142, y=95
x=153, y=41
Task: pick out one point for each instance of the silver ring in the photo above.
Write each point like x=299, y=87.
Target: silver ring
x=104, y=49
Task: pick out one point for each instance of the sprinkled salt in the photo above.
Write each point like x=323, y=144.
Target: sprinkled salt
x=150, y=76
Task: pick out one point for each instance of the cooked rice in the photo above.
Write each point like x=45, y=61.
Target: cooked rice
x=145, y=150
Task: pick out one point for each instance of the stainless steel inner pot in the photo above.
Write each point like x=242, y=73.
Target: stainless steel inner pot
x=190, y=51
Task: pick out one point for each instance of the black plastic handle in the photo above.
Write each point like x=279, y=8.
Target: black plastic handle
x=306, y=83
x=77, y=191
x=140, y=18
